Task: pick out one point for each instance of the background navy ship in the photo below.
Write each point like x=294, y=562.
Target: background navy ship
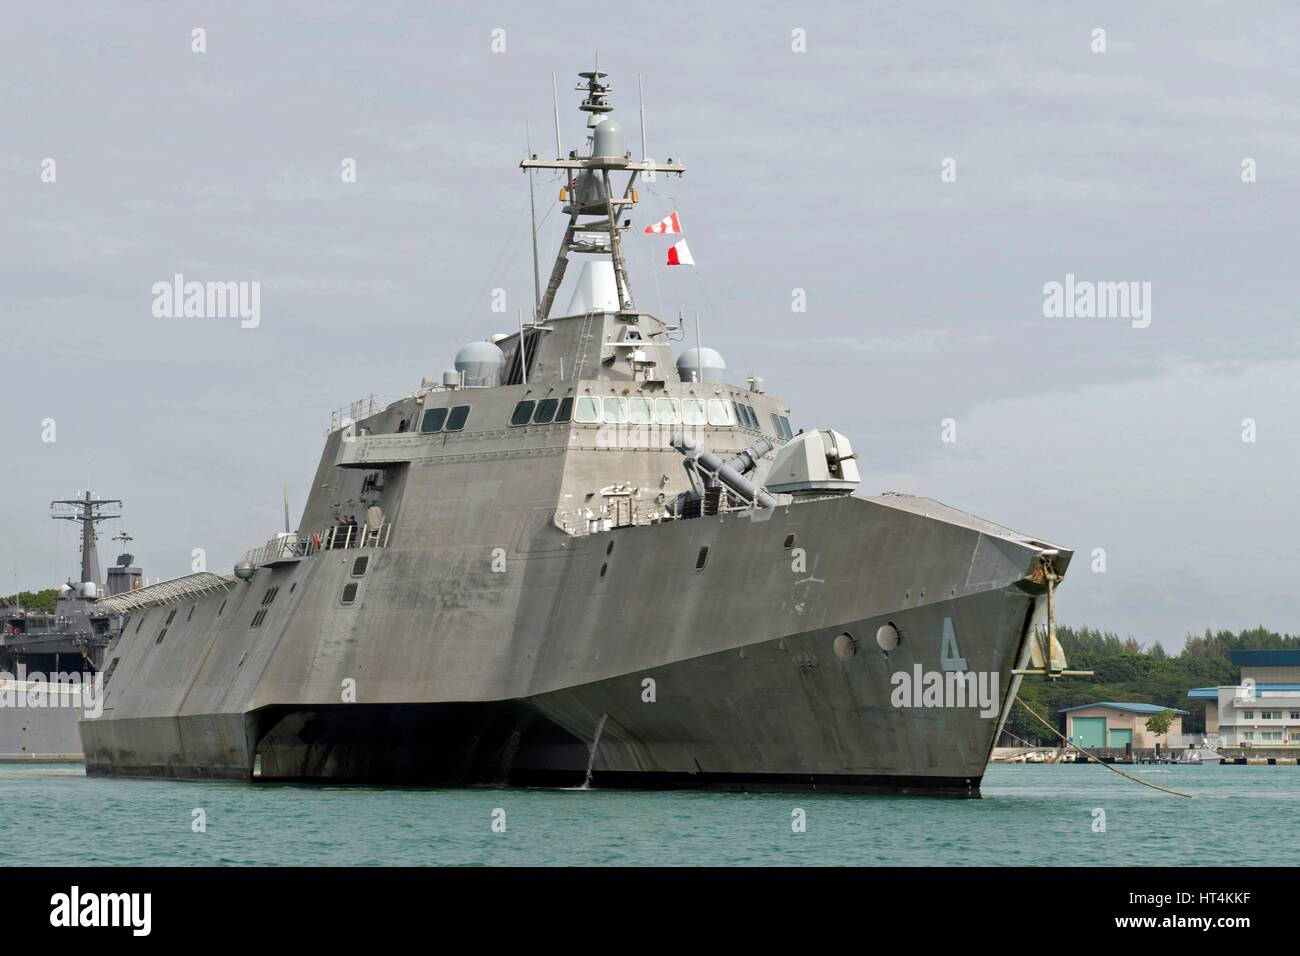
x=69, y=639
x=576, y=557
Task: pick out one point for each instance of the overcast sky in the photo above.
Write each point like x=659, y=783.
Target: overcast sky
x=818, y=170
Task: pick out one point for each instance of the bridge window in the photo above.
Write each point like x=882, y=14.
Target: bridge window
x=588, y=410
x=615, y=410
x=782, y=426
x=433, y=420
x=566, y=410
x=545, y=413
x=456, y=420
x=692, y=411
x=719, y=412
x=523, y=412
x=640, y=411
x=349, y=595
x=666, y=411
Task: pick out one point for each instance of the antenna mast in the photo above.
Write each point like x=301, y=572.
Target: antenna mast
x=532, y=211
x=590, y=201
x=640, y=85
x=86, y=510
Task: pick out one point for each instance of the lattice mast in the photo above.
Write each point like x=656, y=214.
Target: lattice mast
x=593, y=207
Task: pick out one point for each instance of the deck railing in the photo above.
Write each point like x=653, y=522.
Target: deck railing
x=289, y=547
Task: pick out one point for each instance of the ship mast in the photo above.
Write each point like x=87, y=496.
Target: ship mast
x=591, y=204
x=86, y=510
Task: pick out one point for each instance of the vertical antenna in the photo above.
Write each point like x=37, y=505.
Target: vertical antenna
x=555, y=99
x=523, y=351
x=286, y=508
x=641, y=87
x=532, y=210
x=699, y=354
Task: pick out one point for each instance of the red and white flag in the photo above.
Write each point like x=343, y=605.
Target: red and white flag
x=669, y=224
x=679, y=254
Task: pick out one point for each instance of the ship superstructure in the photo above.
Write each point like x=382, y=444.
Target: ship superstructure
x=580, y=556
x=42, y=651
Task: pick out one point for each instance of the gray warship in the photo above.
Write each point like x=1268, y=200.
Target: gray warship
x=39, y=646
x=578, y=558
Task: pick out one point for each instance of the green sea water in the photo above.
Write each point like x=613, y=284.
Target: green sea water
x=1030, y=815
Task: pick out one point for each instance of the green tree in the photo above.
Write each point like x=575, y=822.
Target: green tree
x=33, y=600
x=1160, y=723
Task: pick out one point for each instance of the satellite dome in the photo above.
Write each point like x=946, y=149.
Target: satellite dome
x=702, y=365
x=607, y=141
x=65, y=590
x=244, y=570
x=482, y=363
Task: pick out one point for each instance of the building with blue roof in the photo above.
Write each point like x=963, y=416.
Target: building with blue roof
x=1116, y=725
x=1263, y=710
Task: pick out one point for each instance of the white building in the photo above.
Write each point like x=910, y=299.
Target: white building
x=1263, y=710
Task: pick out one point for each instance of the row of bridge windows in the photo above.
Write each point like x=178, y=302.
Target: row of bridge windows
x=614, y=410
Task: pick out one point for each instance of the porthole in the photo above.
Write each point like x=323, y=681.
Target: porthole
x=359, y=565
x=161, y=635
x=609, y=548
x=603, y=569
x=789, y=542
x=170, y=617
x=702, y=559
x=190, y=616
x=349, y=595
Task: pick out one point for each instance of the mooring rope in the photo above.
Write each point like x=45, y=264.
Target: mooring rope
x=1070, y=743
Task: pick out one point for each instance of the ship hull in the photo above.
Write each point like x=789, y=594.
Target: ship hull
x=45, y=732
x=746, y=686
x=788, y=714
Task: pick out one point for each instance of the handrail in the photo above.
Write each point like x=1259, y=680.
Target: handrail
x=335, y=537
